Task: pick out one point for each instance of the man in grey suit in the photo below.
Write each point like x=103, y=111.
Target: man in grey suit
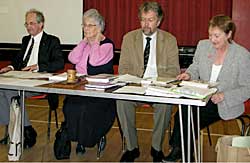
x=147, y=52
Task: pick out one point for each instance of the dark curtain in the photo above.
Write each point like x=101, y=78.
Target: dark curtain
x=185, y=19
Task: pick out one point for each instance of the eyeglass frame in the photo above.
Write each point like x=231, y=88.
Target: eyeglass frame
x=88, y=25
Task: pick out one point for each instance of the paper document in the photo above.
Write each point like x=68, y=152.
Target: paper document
x=22, y=82
x=101, y=78
x=62, y=76
x=161, y=91
x=128, y=79
x=199, y=83
x=194, y=92
x=26, y=74
x=131, y=90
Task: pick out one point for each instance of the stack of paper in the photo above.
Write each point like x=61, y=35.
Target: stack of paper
x=99, y=85
x=128, y=79
x=161, y=91
x=101, y=78
x=131, y=90
x=194, y=92
x=62, y=76
x=26, y=74
x=199, y=84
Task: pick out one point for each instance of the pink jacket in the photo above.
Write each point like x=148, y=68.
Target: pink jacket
x=96, y=54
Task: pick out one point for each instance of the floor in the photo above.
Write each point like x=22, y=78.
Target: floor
x=43, y=149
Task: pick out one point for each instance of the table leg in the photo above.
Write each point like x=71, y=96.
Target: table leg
x=182, y=137
x=198, y=132
x=22, y=94
x=188, y=134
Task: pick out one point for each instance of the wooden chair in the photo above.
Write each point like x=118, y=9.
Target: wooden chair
x=243, y=121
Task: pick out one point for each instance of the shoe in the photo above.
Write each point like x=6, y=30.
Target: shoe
x=174, y=156
x=29, y=137
x=157, y=155
x=5, y=140
x=80, y=149
x=130, y=156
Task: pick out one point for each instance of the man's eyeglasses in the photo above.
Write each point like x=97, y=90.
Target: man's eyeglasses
x=88, y=25
x=31, y=24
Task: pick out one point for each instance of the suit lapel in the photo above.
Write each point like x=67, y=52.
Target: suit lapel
x=227, y=64
x=139, y=47
x=159, y=46
x=42, y=46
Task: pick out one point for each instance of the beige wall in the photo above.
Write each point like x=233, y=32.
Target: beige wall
x=63, y=18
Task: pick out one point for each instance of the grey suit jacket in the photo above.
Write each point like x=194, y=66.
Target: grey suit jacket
x=132, y=57
x=234, y=77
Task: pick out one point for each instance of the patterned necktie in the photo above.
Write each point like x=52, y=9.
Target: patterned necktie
x=25, y=61
x=146, y=52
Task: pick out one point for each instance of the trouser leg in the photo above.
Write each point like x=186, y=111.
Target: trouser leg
x=5, y=101
x=162, y=116
x=126, y=114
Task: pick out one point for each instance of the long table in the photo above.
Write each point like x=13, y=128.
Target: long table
x=79, y=90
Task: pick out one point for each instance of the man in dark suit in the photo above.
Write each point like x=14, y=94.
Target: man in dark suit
x=40, y=52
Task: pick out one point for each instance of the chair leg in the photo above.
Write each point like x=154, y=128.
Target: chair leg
x=241, y=120
x=56, y=118
x=209, y=137
x=121, y=133
x=49, y=121
x=101, y=145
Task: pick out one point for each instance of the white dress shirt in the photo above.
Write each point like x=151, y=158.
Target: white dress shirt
x=151, y=70
x=34, y=53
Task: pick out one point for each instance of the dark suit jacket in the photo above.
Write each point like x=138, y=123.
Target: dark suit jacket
x=50, y=57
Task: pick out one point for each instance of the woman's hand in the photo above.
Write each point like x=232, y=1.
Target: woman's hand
x=217, y=98
x=183, y=76
x=99, y=37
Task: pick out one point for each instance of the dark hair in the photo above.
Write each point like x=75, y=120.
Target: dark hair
x=151, y=6
x=225, y=23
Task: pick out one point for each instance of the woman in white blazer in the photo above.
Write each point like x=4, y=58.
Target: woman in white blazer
x=217, y=59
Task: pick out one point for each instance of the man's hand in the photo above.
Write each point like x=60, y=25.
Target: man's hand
x=30, y=68
x=5, y=69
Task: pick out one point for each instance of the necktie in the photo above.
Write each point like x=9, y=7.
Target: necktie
x=146, y=52
x=25, y=61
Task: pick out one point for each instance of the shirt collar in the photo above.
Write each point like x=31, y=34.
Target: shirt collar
x=38, y=37
x=153, y=36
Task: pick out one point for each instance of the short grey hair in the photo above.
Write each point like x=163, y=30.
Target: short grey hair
x=39, y=15
x=98, y=18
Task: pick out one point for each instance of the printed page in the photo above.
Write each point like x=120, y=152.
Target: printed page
x=131, y=90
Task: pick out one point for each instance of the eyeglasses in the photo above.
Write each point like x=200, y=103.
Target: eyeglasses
x=31, y=24
x=88, y=25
